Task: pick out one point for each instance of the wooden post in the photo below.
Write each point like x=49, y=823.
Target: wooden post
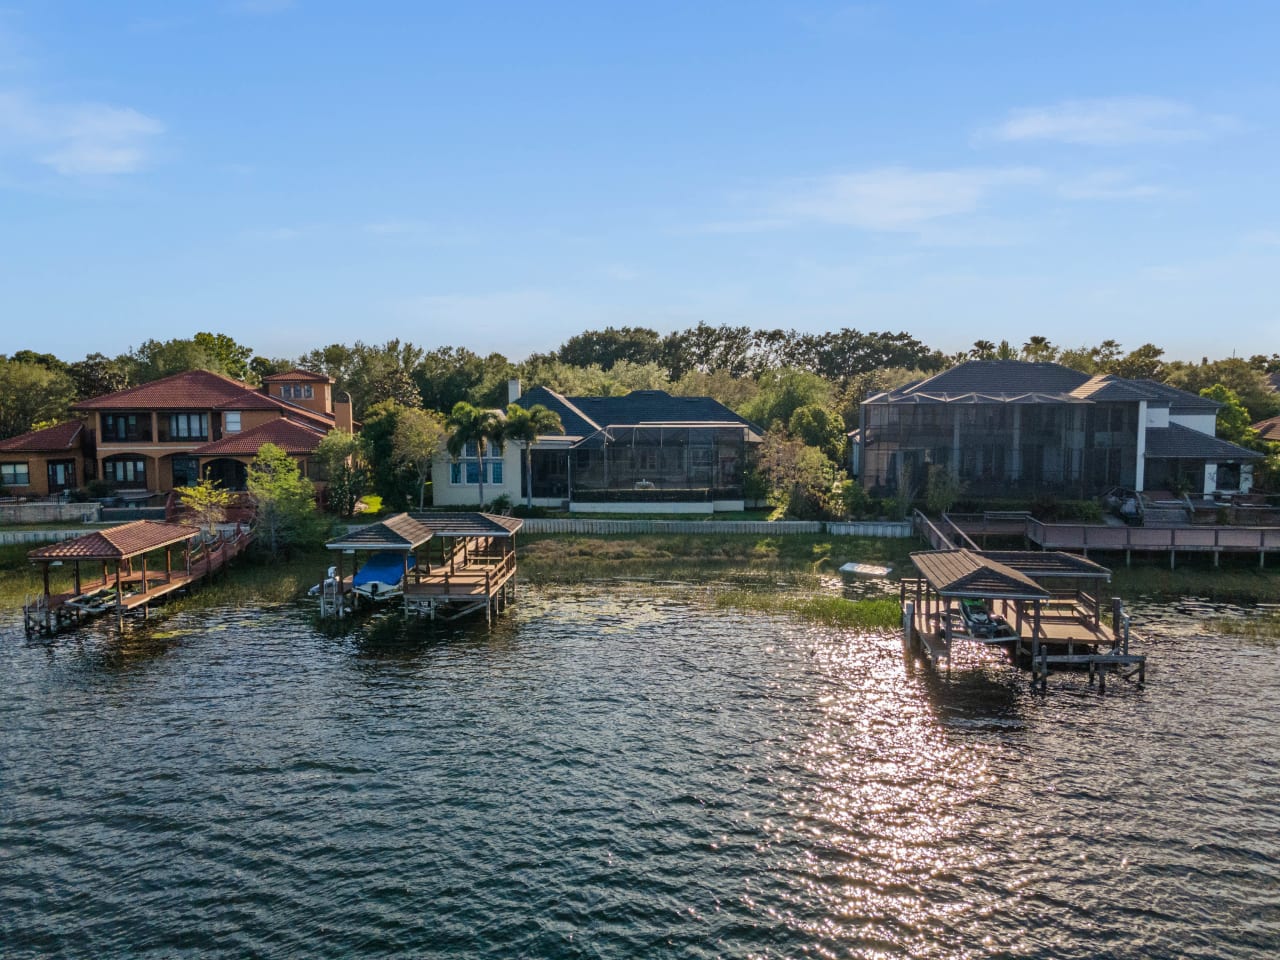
x=1117, y=611
x=908, y=620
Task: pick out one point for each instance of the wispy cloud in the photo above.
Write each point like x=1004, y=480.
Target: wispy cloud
x=1111, y=121
x=1110, y=185
x=895, y=198
x=85, y=139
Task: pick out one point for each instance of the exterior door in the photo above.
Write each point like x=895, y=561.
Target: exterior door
x=62, y=475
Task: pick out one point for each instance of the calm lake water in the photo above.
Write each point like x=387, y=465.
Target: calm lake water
x=620, y=770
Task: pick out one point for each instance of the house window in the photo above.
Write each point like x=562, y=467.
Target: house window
x=471, y=470
x=62, y=475
x=186, y=471
x=297, y=391
x=186, y=426
x=495, y=471
x=15, y=475
x=125, y=471
x=126, y=427
x=231, y=421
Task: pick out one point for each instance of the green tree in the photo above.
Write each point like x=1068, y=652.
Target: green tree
x=1144, y=363
x=800, y=478
x=207, y=502
x=342, y=455
x=98, y=374
x=604, y=348
x=485, y=428
x=983, y=350
x=783, y=392
x=819, y=427
x=391, y=479
x=417, y=438
x=1039, y=350
x=1234, y=422
x=284, y=502
x=942, y=490
x=31, y=393
x=1249, y=385
x=733, y=392
x=525, y=426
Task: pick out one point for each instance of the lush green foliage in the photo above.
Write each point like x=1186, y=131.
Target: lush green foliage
x=207, y=502
x=525, y=426
x=471, y=424
x=346, y=470
x=284, y=502
x=418, y=437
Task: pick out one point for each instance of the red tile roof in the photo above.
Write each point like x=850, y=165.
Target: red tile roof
x=59, y=438
x=298, y=374
x=291, y=437
x=1267, y=429
x=116, y=543
x=189, y=390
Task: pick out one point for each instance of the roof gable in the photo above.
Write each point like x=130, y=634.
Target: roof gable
x=289, y=436
x=56, y=439
x=116, y=543
x=965, y=573
x=298, y=374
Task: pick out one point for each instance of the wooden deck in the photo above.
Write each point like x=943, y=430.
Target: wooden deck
x=129, y=591
x=478, y=581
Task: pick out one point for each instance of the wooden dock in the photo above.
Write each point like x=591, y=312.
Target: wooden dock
x=1044, y=618
x=126, y=582
x=454, y=564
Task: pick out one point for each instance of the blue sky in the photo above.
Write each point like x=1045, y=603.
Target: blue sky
x=502, y=176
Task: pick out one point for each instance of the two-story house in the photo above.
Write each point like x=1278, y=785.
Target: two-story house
x=1010, y=428
x=173, y=431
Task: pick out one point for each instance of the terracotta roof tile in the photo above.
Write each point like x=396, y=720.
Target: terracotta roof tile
x=291, y=437
x=63, y=436
x=298, y=374
x=116, y=543
x=1267, y=429
x=189, y=390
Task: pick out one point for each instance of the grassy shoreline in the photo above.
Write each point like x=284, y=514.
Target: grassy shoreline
x=765, y=573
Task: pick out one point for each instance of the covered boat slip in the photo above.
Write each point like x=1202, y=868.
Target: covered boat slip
x=128, y=571
x=1049, y=602
x=452, y=564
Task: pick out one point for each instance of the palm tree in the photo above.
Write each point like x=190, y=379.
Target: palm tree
x=527, y=426
x=983, y=350
x=468, y=424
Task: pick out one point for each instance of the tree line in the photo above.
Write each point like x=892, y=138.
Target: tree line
x=803, y=389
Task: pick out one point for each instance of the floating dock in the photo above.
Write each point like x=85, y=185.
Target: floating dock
x=126, y=582
x=454, y=564
x=1042, y=608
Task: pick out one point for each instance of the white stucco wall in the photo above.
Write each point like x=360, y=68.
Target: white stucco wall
x=447, y=494
x=1157, y=417
x=1204, y=422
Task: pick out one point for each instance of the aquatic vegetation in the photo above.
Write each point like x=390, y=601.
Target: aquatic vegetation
x=877, y=613
x=1264, y=626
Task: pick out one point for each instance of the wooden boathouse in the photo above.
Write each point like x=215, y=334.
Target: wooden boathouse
x=454, y=564
x=1047, y=602
x=123, y=580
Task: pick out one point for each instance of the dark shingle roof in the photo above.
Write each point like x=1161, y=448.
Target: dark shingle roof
x=1006, y=380
x=400, y=532
x=116, y=543
x=1178, y=442
x=1106, y=388
x=582, y=416
x=468, y=524
x=1178, y=399
x=1048, y=564
x=966, y=573
x=55, y=439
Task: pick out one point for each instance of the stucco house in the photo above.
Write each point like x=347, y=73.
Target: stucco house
x=171, y=432
x=1011, y=428
x=646, y=452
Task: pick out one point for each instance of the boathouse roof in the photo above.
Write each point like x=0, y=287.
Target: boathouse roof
x=118, y=543
x=966, y=573
x=469, y=524
x=1049, y=564
x=400, y=532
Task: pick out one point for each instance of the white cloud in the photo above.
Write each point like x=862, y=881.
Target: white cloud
x=76, y=139
x=1109, y=185
x=1110, y=121
x=896, y=198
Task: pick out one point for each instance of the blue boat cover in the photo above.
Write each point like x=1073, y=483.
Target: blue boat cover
x=386, y=567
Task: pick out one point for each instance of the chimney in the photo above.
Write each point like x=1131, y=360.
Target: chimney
x=513, y=391
x=342, y=412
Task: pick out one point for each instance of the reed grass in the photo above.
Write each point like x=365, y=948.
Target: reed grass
x=1265, y=626
x=877, y=613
